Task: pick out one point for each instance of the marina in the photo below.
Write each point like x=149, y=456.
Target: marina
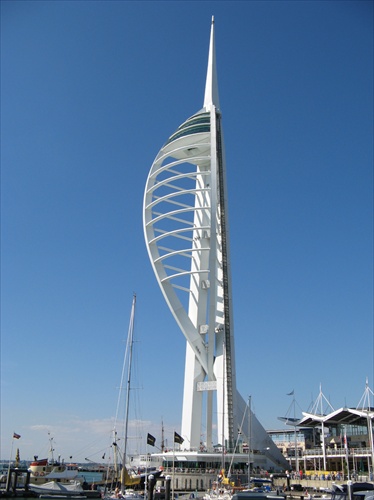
x=222, y=451
x=277, y=485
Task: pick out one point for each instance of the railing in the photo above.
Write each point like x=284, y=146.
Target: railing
x=338, y=452
x=202, y=471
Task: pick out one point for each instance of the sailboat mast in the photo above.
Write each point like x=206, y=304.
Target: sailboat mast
x=130, y=342
x=51, y=449
x=162, y=437
x=249, y=439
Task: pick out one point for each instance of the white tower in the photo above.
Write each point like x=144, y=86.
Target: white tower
x=186, y=232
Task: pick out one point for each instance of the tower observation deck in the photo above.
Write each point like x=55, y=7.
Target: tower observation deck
x=186, y=227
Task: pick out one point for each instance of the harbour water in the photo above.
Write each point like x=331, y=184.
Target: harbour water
x=91, y=477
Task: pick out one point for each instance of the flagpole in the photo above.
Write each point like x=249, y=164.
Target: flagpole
x=346, y=453
x=296, y=448
x=249, y=440
x=146, y=471
x=15, y=436
x=151, y=442
x=11, y=454
x=172, y=486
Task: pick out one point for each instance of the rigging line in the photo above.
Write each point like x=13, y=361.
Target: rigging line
x=131, y=343
x=121, y=384
x=237, y=441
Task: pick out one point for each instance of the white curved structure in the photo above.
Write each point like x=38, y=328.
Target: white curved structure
x=186, y=232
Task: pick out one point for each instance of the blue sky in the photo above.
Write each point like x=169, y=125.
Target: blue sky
x=89, y=93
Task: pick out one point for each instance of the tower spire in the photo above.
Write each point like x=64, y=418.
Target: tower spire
x=211, y=86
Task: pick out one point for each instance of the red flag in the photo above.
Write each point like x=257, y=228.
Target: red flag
x=16, y=436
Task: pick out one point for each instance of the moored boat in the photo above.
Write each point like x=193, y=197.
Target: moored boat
x=42, y=471
x=359, y=490
x=128, y=494
x=55, y=490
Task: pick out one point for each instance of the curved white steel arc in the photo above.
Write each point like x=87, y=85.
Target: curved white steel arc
x=171, y=215
x=177, y=234
x=178, y=238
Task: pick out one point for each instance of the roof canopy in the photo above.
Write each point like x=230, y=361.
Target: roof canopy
x=343, y=416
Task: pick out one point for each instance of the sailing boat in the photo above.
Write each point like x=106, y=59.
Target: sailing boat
x=127, y=479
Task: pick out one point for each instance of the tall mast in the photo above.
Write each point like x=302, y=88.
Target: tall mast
x=162, y=437
x=130, y=343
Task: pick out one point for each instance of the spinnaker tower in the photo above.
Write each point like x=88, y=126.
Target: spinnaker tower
x=186, y=227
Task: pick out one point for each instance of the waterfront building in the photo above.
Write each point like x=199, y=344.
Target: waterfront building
x=285, y=440
x=186, y=227
x=344, y=441
x=339, y=441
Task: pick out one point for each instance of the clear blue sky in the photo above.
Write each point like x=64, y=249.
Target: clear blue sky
x=89, y=93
